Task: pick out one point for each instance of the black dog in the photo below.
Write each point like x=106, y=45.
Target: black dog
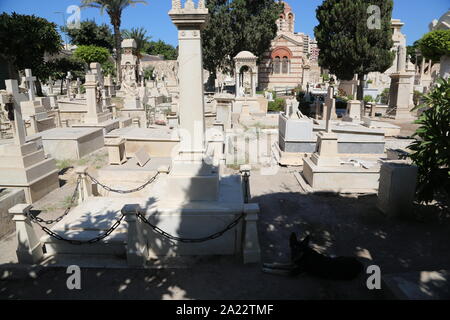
x=305, y=259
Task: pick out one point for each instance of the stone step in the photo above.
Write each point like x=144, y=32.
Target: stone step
x=22, y=162
x=25, y=177
x=11, y=149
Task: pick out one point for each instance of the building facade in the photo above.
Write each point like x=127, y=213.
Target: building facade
x=292, y=58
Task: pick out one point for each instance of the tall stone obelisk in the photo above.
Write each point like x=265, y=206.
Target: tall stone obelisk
x=189, y=21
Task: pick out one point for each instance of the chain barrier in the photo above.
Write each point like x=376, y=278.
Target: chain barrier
x=189, y=240
x=80, y=242
x=66, y=212
x=116, y=224
x=122, y=191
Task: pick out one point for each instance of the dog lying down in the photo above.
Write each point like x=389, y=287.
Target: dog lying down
x=307, y=260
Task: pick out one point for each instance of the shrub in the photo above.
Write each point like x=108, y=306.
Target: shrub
x=383, y=97
x=368, y=99
x=91, y=54
x=417, y=97
x=277, y=105
x=431, y=148
x=435, y=44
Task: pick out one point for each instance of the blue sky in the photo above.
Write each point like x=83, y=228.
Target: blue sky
x=416, y=14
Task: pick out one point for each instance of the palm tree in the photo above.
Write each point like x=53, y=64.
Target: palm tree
x=140, y=36
x=114, y=8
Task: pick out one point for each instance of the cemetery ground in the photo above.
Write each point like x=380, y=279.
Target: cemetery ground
x=339, y=225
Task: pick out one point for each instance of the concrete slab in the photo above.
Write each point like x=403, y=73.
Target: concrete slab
x=70, y=143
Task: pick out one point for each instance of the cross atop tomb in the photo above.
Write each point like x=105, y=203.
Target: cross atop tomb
x=330, y=103
x=78, y=86
x=12, y=88
x=69, y=78
x=29, y=79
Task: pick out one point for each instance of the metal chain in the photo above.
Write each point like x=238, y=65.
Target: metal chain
x=80, y=242
x=116, y=224
x=189, y=240
x=66, y=212
x=122, y=191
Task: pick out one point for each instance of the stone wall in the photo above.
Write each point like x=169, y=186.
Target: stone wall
x=8, y=199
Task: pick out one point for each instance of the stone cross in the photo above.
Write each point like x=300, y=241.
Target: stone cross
x=12, y=88
x=50, y=85
x=29, y=78
x=330, y=98
x=69, y=78
x=401, y=63
x=330, y=104
x=78, y=86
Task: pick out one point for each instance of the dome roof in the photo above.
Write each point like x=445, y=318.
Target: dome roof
x=245, y=55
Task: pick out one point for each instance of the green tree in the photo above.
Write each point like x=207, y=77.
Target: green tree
x=140, y=36
x=412, y=51
x=114, y=8
x=161, y=48
x=90, y=54
x=250, y=25
x=435, y=44
x=24, y=42
x=91, y=34
x=431, y=148
x=58, y=68
x=347, y=45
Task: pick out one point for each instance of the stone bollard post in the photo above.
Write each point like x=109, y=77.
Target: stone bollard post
x=137, y=251
x=85, y=186
x=29, y=249
x=251, y=250
x=245, y=173
x=114, y=111
x=58, y=118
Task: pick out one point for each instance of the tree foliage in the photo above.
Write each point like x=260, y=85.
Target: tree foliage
x=114, y=8
x=235, y=26
x=140, y=36
x=25, y=40
x=90, y=54
x=347, y=45
x=59, y=67
x=161, y=48
x=91, y=34
x=435, y=44
x=431, y=149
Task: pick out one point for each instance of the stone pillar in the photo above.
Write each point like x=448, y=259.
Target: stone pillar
x=397, y=188
x=91, y=99
x=251, y=250
x=29, y=249
x=190, y=22
x=401, y=63
x=85, y=190
x=137, y=251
